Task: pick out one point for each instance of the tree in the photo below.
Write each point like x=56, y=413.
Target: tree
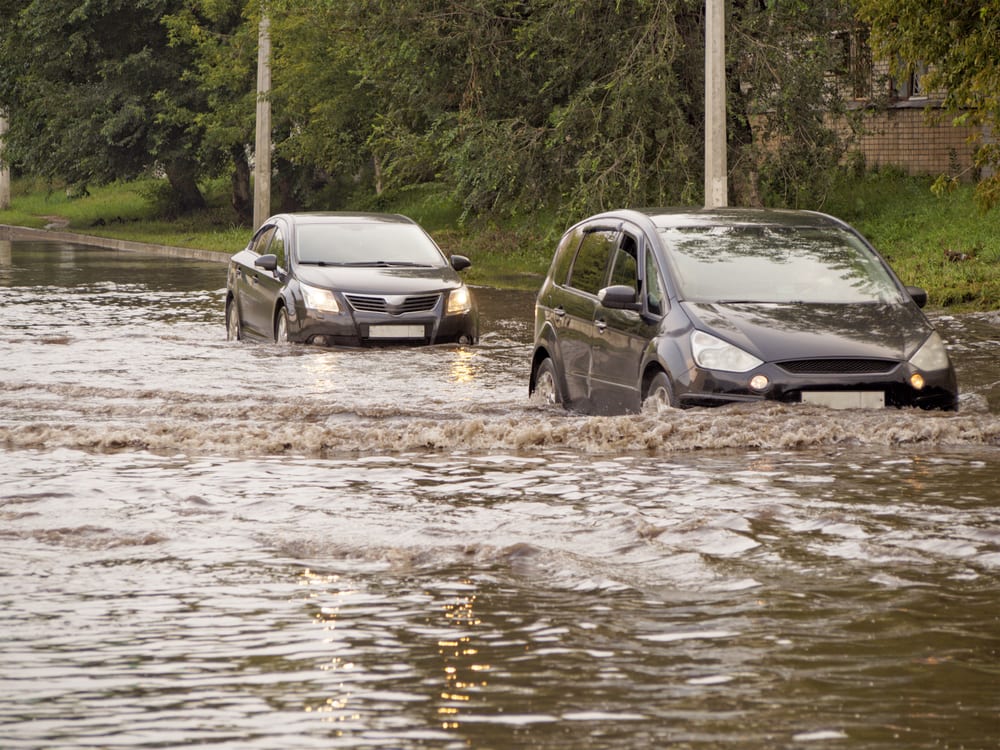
x=220, y=37
x=958, y=39
x=784, y=96
x=94, y=92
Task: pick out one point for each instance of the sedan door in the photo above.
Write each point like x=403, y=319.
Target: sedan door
x=260, y=287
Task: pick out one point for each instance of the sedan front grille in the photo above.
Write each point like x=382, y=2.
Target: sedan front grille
x=393, y=305
x=838, y=366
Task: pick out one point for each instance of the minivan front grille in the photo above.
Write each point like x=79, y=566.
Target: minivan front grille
x=393, y=305
x=838, y=366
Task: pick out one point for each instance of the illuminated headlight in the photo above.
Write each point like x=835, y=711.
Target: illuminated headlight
x=713, y=353
x=319, y=299
x=932, y=355
x=459, y=301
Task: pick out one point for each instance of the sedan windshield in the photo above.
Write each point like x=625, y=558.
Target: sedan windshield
x=775, y=264
x=366, y=244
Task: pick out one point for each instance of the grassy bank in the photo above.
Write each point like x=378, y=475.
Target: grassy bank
x=945, y=245
x=942, y=244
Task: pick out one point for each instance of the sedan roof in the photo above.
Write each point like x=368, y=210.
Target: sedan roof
x=344, y=217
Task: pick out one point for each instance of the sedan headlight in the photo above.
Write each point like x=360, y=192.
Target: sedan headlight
x=319, y=299
x=932, y=355
x=459, y=301
x=713, y=353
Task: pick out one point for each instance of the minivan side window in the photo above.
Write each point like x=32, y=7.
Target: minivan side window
x=564, y=255
x=588, y=270
x=625, y=267
x=656, y=299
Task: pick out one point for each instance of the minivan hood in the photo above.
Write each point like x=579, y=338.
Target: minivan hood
x=387, y=280
x=776, y=332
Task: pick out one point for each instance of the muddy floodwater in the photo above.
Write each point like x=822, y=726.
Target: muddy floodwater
x=221, y=544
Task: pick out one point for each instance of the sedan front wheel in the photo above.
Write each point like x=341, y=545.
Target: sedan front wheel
x=233, y=330
x=281, y=327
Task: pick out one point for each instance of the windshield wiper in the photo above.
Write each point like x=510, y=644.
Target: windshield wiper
x=385, y=264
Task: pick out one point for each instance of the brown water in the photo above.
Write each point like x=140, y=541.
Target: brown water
x=216, y=543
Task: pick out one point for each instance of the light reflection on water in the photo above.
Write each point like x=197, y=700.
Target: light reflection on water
x=212, y=543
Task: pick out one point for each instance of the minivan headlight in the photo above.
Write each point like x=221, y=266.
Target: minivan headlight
x=319, y=299
x=459, y=301
x=713, y=353
x=932, y=355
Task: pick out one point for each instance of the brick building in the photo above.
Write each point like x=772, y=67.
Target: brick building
x=897, y=123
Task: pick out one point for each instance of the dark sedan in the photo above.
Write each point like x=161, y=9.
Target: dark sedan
x=348, y=279
x=673, y=308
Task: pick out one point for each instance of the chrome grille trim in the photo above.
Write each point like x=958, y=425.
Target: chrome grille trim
x=362, y=303
x=393, y=305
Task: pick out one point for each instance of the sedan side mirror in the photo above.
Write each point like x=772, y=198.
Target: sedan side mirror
x=919, y=295
x=460, y=262
x=267, y=262
x=619, y=297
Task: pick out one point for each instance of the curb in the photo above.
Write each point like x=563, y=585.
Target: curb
x=9, y=232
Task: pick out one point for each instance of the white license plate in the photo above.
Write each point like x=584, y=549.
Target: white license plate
x=845, y=399
x=395, y=332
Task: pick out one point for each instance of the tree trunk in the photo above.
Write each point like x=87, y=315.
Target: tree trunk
x=182, y=176
x=242, y=198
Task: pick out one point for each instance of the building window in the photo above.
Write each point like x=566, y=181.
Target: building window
x=909, y=85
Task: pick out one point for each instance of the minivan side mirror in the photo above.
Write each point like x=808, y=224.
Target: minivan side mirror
x=268, y=262
x=919, y=295
x=460, y=262
x=619, y=297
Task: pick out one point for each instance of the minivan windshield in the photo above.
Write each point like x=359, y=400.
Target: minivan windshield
x=775, y=264
x=366, y=244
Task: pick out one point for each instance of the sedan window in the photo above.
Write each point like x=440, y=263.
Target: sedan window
x=259, y=244
x=775, y=264
x=277, y=247
x=366, y=244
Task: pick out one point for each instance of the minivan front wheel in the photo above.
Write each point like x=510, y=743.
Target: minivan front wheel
x=546, y=389
x=660, y=395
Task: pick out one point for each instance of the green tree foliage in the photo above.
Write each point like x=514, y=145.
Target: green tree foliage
x=584, y=104
x=960, y=41
x=514, y=106
x=220, y=39
x=94, y=93
x=784, y=95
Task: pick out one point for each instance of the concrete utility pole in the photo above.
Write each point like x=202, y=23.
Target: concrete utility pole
x=4, y=169
x=716, y=182
x=262, y=148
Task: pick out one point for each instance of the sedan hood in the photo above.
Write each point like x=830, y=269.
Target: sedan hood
x=776, y=332
x=387, y=280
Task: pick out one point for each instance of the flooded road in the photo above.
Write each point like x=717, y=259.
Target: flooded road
x=217, y=543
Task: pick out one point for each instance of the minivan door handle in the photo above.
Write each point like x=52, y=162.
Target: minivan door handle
x=601, y=325
x=559, y=312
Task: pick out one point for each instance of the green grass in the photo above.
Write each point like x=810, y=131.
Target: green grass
x=922, y=235
x=943, y=244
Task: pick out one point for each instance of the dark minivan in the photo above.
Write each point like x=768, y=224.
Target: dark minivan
x=685, y=307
